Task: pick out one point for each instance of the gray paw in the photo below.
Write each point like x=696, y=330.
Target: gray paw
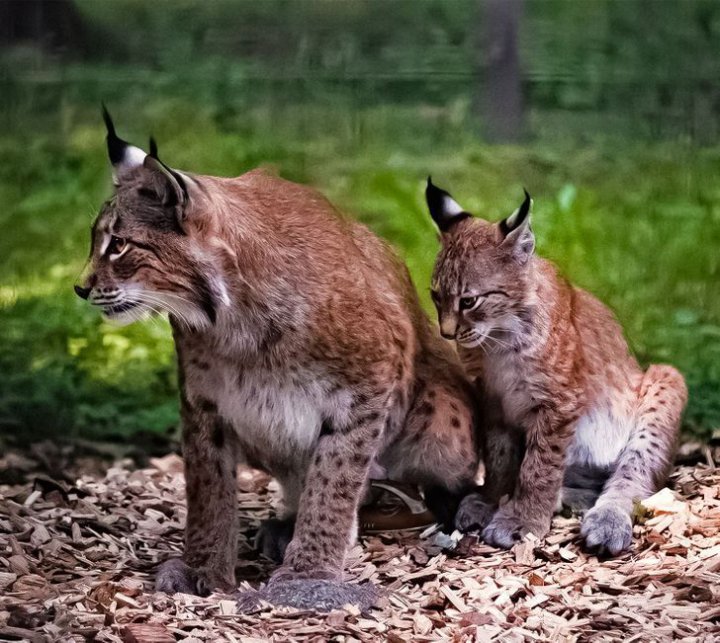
x=175, y=575
x=607, y=529
x=273, y=538
x=507, y=528
x=473, y=513
x=310, y=594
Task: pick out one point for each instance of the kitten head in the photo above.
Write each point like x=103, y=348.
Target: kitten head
x=480, y=283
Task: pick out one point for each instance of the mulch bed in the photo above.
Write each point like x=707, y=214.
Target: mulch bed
x=77, y=557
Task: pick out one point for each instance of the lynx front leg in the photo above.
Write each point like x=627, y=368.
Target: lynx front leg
x=311, y=575
x=333, y=489
x=211, y=531
x=541, y=472
x=642, y=465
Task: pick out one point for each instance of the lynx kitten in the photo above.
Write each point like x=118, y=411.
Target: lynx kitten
x=577, y=421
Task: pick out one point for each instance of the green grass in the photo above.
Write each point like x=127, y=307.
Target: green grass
x=637, y=224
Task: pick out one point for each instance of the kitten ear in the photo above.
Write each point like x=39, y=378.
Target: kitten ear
x=123, y=156
x=516, y=233
x=444, y=210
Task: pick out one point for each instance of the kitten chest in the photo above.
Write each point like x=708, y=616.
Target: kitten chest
x=505, y=380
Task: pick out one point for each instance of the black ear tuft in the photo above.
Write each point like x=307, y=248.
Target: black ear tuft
x=153, y=148
x=109, y=125
x=115, y=145
x=517, y=218
x=443, y=208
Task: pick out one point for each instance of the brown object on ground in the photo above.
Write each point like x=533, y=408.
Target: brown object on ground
x=77, y=567
x=394, y=507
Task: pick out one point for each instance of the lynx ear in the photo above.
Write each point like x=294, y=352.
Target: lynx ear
x=444, y=210
x=167, y=185
x=516, y=233
x=123, y=156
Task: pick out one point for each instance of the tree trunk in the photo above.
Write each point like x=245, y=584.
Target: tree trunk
x=502, y=104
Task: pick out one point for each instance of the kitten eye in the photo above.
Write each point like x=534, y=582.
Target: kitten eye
x=435, y=296
x=466, y=303
x=116, y=245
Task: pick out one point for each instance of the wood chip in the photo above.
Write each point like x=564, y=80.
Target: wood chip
x=147, y=633
x=77, y=563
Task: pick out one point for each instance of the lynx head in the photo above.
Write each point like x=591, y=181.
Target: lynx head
x=480, y=283
x=144, y=255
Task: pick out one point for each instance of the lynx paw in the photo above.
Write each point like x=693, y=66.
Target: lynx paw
x=473, y=514
x=175, y=575
x=273, y=538
x=310, y=594
x=607, y=529
x=507, y=528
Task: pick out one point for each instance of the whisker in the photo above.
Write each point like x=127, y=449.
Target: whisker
x=160, y=300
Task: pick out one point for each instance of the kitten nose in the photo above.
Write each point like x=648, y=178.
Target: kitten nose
x=448, y=328
x=81, y=292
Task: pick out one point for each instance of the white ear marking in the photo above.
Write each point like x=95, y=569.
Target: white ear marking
x=451, y=207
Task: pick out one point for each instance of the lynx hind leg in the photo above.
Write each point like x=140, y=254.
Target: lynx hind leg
x=437, y=448
x=643, y=464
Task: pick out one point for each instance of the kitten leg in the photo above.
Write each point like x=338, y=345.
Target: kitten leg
x=644, y=463
x=211, y=530
x=538, y=485
x=502, y=454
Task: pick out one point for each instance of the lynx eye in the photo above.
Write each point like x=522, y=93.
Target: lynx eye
x=466, y=303
x=116, y=245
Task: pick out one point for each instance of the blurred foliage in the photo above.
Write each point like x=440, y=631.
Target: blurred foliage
x=362, y=99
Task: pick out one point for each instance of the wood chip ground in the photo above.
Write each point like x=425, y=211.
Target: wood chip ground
x=76, y=564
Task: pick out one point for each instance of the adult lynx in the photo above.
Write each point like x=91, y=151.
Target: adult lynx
x=302, y=349
x=551, y=363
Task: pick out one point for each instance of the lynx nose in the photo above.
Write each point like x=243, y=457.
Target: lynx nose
x=82, y=292
x=448, y=327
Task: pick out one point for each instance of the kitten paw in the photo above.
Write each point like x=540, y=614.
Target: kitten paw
x=473, y=513
x=507, y=528
x=607, y=529
x=273, y=538
x=310, y=594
